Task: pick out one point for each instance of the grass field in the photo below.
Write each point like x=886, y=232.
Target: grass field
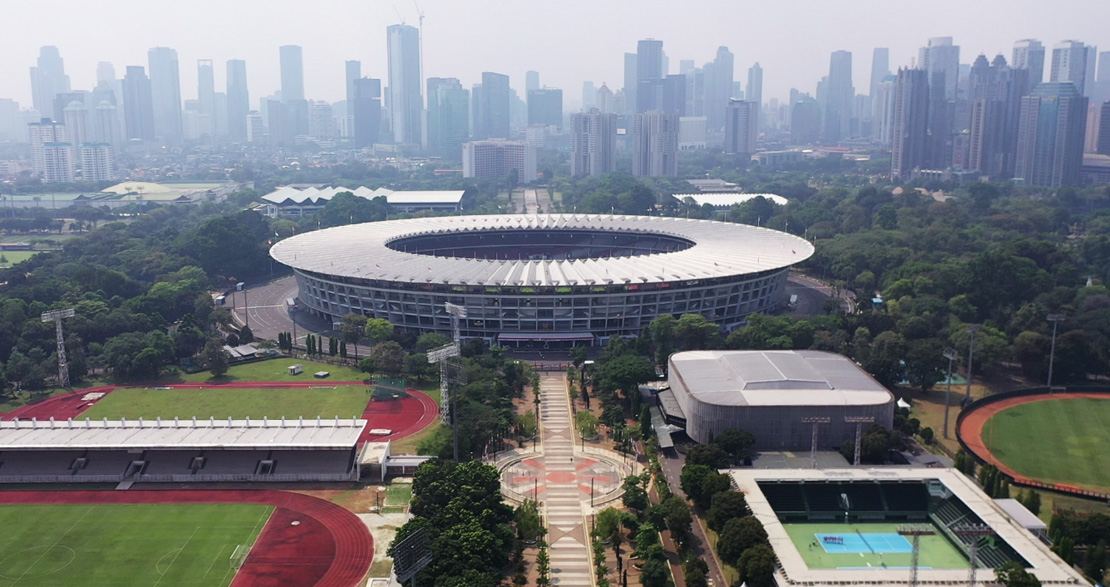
x=1062, y=440
x=132, y=544
x=278, y=370
x=13, y=257
x=133, y=403
x=936, y=551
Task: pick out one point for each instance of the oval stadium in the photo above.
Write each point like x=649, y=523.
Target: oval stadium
x=555, y=280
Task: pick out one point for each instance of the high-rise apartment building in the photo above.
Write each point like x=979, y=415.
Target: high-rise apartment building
x=406, y=101
x=1103, y=147
x=48, y=79
x=882, y=111
x=352, y=71
x=649, y=75
x=321, y=121
x=911, y=123
x=1051, y=130
x=366, y=111
x=741, y=127
x=655, y=145
x=238, y=99
x=206, y=90
x=940, y=55
x=499, y=159
x=138, y=104
x=593, y=143
x=718, y=88
x=754, y=91
x=631, y=69
x=1029, y=55
x=839, y=95
x=291, y=58
x=1069, y=64
x=493, y=107
x=545, y=106
x=589, y=96
x=97, y=163
x=165, y=92
x=105, y=125
x=994, y=93
x=76, y=119
x=448, y=116
x=51, y=151
x=256, y=128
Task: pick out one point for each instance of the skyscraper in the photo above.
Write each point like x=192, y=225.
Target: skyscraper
x=51, y=151
x=352, y=71
x=1103, y=147
x=48, y=79
x=717, y=90
x=1050, y=135
x=630, y=70
x=292, y=73
x=76, y=118
x=1069, y=64
x=366, y=110
x=911, y=114
x=531, y=81
x=499, y=159
x=655, y=145
x=545, y=107
x=649, y=75
x=838, y=99
x=754, y=91
x=448, y=116
x=994, y=92
x=1029, y=55
x=105, y=73
x=493, y=106
x=238, y=99
x=741, y=127
x=940, y=55
x=880, y=68
x=593, y=143
x=805, y=121
x=165, y=91
x=406, y=101
x=589, y=96
x=138, y=104
x=206, y=90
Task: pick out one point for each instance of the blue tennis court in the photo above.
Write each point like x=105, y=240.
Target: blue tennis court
x=853, y=543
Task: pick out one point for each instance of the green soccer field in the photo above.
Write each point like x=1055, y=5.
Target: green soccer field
x=1062, y=440
x=125, y=544
x=936, y=552
x=135, y=403
x=278, y=370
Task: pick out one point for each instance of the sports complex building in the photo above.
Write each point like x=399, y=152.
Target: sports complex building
x=859, y=527
x=557, y=279
x=775, y=395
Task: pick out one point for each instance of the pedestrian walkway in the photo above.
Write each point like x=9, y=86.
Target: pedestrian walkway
x=561, y=495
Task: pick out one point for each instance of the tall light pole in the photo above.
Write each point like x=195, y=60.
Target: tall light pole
x=971, y=329
x=1055, y=320
x=951, y=355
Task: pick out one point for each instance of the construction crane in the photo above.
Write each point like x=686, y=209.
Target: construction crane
x=399, y=17
x=420, y=17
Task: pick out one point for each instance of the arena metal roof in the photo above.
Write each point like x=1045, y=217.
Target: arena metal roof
x=727, y=200
x=721, y=249
x=150, y=434
x=287, y=195
x=776, y=378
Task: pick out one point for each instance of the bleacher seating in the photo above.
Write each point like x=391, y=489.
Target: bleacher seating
x=18, y=463
x=232, y=461
x=169, y=462
x=303, y=462
x=824, y=497
x=950, y=514
x=785, y=497
x=107, y=463
x=906, y=497
x=865, y=497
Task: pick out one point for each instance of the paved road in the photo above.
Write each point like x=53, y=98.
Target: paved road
x=699, y=546
x=812, y=294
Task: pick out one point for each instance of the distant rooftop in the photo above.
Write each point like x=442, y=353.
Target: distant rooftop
x=316, y=196
x=727, y=200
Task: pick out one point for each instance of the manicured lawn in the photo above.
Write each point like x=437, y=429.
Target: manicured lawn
x=935, y=551
x=128, y=544
x=133, y=403
x=1062, y=440
x=278, y=370
x=13, y=257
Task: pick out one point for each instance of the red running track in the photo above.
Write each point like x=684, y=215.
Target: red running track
x=402, y=417
x=331, y=547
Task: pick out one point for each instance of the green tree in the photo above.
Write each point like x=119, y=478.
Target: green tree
x=678, y=519
x=654, y=573
x=757, y=566
x=691, y=480
x=215, y=358
x=885, y=359
x=351, y=327
x=694, y=332
x=1012, y=574
x=739, y=535
x=1094, y=564
x=378, y=329
x=246, y=336
x=735, y=442
x=710, y=455
x=725, y=506
x=529, y=525
x=388, y=358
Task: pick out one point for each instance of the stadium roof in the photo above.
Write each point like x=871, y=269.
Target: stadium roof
x=287, y=195
x=721, y=249
x=727, y=200
x=776, y=378
x=184, y=434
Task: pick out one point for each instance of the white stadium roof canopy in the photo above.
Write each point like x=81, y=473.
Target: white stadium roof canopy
x=727, y=200
x=291, y=195
x=720, y=249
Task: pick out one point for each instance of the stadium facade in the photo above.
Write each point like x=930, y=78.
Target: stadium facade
x=542, y=279
x=772, y=394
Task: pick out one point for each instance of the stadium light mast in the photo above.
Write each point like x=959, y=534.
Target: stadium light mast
x=1055, y=319
x=859, y=421
x=915, y=532
x=450, y=372
x=976, y=532
x=56, y=316
x=971, y=329
x=951, y=355
x=816, y=421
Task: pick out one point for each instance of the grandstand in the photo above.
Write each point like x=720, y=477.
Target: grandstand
x=119, y=451
x=798, y=507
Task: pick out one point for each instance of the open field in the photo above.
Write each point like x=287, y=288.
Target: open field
x=936, y=552
x=278, y=370
x=133, y=403
x=13, y=257
x=1058, y=440
x=124, y=544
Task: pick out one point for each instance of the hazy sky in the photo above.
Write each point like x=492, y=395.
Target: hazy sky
x=567, y=41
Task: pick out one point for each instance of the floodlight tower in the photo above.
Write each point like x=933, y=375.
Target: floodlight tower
x=915, y=532
x=816, y=421
x=951, y=355
x=976, y=532
x=450, y=372
x=859, y=421
x=56, y=316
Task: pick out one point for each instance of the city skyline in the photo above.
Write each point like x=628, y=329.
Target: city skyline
x=462, y=41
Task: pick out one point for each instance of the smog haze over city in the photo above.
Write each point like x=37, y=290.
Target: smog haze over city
x=568, y=42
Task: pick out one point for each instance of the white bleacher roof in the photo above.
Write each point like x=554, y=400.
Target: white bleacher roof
x=287, y=195
x=727, y=200
x=335, y=433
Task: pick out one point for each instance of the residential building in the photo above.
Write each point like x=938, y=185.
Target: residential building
x=321, y=121
x=76, y=118
x=406, y=101
x=493, y=107
x=1029, y=55
x=138, y=104
x=256, y=128
x=97, y=163
x=1104, y=129
x=499, y=159
x=1050, y=135
x=206, y=90
x=940, y=55
x=448, y=116
x=741, y=127
x=655, y=145
x=48, y=79
x=692, y=133
x=910, y=132
x=1069, y=64
x=589, y=96
x=593, y=140
x=105, y=125
x=754, y=92
x=631, y=68
x=165, y=92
